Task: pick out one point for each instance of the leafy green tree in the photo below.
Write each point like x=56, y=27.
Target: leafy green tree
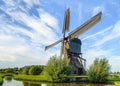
x=25, y=70
x=2, y=71
x=118, y=72
x=35, y=70
x=99, y=70
x=57, y=69
x=15, y=69
x=9, y=70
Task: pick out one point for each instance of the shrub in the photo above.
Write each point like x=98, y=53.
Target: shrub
x=57, y=69
x=35, y=70
x=99, y=70
x=25, y=70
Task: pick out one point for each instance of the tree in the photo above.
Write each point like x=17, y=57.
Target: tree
x=25, y=70
x=99, y=70
x=16, y=69
x=57, y=69
x=35, y=70
x=9, y=70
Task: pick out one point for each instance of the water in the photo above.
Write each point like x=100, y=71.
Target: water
x=9, y=81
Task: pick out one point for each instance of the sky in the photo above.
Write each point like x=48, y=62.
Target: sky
x=27, y=26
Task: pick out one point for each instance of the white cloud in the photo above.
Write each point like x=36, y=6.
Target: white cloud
x=15, y=47
x=115, y=33
x=96, y=50
x=113, y=60
x=42, y=32
x=98, y=33
x=30, y=3
x=98, y=9
x=114, y=63
x=9, y=2
x=9, y=47
x=95, y=53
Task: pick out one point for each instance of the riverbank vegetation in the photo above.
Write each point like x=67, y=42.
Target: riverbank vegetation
x=117, y=83
x=32, y=70
x=99, y=71
x=37, y=78
x=114, y=77
x=57, y=70
x=1, y=80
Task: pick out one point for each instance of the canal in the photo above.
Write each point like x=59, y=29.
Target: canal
x=9, y=81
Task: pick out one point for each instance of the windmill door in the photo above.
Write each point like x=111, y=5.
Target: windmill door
x=80, y=71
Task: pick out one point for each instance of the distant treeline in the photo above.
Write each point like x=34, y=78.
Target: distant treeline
x=114, y=72
x=27, y=70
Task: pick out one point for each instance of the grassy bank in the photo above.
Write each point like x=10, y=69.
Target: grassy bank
x=114, y=78
x=42, y=78
x=37, y=78
x=1, y=78
x=117, y=83
x=2, y=75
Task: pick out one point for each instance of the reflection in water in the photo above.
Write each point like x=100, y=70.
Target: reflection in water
x=11, y=82
x=8, y=78
x=66, y=84
x=31, y=84
x=73, y=84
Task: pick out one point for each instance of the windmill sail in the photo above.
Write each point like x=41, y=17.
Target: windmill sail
x=81, y=29
x=66, y=21
x=62, y=49
x=49, y=46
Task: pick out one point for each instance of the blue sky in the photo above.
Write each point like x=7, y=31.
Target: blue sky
x=27, y=26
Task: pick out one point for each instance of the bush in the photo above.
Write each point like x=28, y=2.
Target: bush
x=9, y=70
x=99, y=70
x=57, y=69
x=35, y=70
x=25, y=70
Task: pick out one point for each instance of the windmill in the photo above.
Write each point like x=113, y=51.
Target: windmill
x=71, y=45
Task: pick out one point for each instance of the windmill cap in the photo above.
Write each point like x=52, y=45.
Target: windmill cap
x=76, y=40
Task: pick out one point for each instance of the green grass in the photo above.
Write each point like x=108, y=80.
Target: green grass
x=116, y=79
x=2, y=75
x=117, y=83
x=42, y=78
x=38, y=78
x=1, y=78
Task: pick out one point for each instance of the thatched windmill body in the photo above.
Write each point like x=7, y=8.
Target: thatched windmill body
x=71, y=45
